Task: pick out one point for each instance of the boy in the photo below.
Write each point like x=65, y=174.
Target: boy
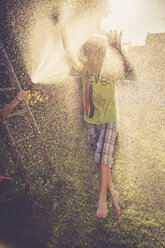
x=99, y=107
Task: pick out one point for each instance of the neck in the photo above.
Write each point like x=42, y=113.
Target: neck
x=95, y=66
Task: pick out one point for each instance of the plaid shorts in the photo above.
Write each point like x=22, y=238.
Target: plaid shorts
x=102, y=139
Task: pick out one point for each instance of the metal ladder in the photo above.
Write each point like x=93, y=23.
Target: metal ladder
x=9, y=141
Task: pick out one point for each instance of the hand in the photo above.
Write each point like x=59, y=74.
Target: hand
x=55, y=17
x=114, y=39
x=62, y=14
x=23, y=95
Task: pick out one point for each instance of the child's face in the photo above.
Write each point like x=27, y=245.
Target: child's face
x=95, y=60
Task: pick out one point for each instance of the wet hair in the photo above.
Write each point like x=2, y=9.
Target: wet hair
x=96, y=44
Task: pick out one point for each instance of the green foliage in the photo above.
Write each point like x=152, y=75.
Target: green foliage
x=35, y=98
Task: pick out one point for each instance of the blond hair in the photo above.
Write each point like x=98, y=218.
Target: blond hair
x=95, y=44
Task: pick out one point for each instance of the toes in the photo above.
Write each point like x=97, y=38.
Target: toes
x=98, y=214
x=101, y=210
x=101, y=215
x=104, y=216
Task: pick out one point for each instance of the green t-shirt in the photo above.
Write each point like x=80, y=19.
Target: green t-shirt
x=98, y=96
x=99, y=88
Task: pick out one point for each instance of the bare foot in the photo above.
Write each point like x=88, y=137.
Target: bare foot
x=101, y=210
x=115, y=203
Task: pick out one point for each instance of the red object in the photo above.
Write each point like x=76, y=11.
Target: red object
x=5, y=179
x=87, y=105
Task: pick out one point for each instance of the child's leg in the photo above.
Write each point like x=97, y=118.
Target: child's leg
x=105, y=181
x=114, y=194
x=103, y=185
x=102, y=139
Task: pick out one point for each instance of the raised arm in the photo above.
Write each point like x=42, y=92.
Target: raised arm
x=114, y=40
x=62, y=18
x=74, y=60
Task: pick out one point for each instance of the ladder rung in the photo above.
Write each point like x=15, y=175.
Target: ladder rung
x=24, y=139
x=6, y=89
x=40, y=161
x=16, y=114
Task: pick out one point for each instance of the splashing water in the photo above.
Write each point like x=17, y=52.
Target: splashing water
x=46, y=63
x=41, y=41
x=51, y=64
x=47, y=60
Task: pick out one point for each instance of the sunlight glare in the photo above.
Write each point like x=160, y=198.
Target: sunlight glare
x=123, y=7
x=122, y=14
